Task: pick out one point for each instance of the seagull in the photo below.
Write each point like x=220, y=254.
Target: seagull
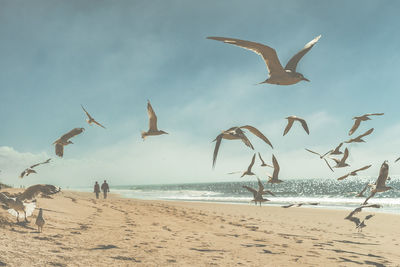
x=257, y=194
x=153, y=130
x=277, y=74
x=40, y=221
x=291, y=119
x=380, y=184
x=359, y=119
x=336, y=151
x=236, y=133
x=64, y=140
x=361, y=194
x=322, y=157
x=359, y=139
x=360, y=224
x=248, y=171
x=342, y=163
x=18, y=204
x=274, y=178
x=263, y=164
x=30, y=170
x=300, y=204
x=90, y=119
x=353, y=173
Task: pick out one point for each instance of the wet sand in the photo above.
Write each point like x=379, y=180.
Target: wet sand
x=82, y=231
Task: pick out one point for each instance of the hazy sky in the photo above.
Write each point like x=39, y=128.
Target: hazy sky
x=111, y=56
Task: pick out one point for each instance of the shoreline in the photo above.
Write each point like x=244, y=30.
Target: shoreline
x=83, y=231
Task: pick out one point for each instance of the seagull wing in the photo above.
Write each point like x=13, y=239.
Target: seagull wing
x=327, y=163
x=268, y=54
x=292, y=64
x=252, y=190
x=59, y=150
x=262, y=161
x=34, y=165
x=288, y=206
x=276, y=167
x=369, y=217
x=152, y=117
x=304, y=124
x=251, y=163
x=361, y=194
x=354, y=219
x=367, y=133
x=268, y=192
x=363, y=168
x=346, y=154
x=34, y=190
x=374, y=114
x=257, y=133
x=397, y=160
x=72, y=133
x=217, y=145
x=313, y=152
x=260, y=186
x=288, y=126
x=343, y=177
x=355, y=126
x=87, y=113
x=99, y=124
x=22, y=174
x=246, y=141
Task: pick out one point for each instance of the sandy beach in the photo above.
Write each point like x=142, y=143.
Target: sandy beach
x=82, y=231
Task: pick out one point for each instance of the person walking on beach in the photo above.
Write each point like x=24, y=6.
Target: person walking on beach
x=97, y=189
x=105, y=189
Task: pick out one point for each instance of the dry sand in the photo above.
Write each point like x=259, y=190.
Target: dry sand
x=82, y=231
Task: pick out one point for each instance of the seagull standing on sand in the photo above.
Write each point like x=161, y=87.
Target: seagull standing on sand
x=64, y=140
x=40, y=221
x=359, y=119
x=19, y=204
x=30, y=170
x=90, y=119
x=277, y=74
x=274, y=178
x=153, y=130
x=236, y=133
x=342, y=163
x=359, y=139
x=353, y=173
x=291, y=119
x=258, y=194
x=322, y=157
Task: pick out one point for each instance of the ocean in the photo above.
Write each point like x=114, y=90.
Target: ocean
x=329, y=193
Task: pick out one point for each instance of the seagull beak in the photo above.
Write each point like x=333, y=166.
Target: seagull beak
x=305, y=79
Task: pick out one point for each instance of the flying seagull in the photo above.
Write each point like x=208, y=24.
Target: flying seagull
x=380, y=184
x=359, y=139
x=258, y=194
x=274, y=178
x=342, y=162
x=64, y=140
x=263, y=164
x=248, y=171
x=359, y=119
x=16, y=205
x=30, y=170
x=322, y=157
x=291, y=119
x=353, y=173
x=337, y=151
x=277, y=74
x=236, y=133
x=90, y=119
x=359, y=209
x=153, y=130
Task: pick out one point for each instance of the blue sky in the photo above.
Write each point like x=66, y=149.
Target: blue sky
x=111, y=56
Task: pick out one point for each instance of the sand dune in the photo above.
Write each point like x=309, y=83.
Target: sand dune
x=82, y=231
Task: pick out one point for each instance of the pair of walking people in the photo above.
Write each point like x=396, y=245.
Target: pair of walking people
x=104, y=188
